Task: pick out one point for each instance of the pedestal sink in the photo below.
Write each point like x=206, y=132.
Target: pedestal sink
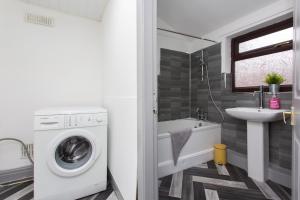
x=257, y=137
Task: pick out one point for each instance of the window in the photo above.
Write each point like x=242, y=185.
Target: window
x=260, y=52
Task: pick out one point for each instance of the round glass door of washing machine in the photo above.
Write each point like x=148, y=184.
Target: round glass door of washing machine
x=72, y=152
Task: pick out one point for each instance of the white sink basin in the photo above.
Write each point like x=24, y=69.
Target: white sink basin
x=257, y=137
x=255, y=114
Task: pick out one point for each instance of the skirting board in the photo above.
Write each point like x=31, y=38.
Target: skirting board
x=277, y=174
x=115, y=186
x=167, y=167
x=16, y=174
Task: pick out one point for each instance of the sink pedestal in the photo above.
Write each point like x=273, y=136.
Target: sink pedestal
x=258, y=150
x=258, y=137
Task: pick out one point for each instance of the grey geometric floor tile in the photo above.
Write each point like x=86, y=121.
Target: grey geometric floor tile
x=199, y=191
x=238, y=174
x=21, y=193
x=14, y=189
x=24, y=191
x=187, y=188
x=211, y=194
x=267, y=191
x=222, y=170
x=165, y=185
x=28, y=196
x=230, y=193
x=217, y=182
x=211, y=165
x=283, y=192
x=225, y=183
x=210, y=173
x=203, y=165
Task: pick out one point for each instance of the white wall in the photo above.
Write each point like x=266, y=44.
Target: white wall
x=249, y=22
x=171, y=41
x=177, y=42
x=68, y=65
x=41, y=67
x=119, y=26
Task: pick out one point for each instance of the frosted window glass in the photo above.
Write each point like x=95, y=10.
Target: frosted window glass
x=251, y=72
x=273, y=38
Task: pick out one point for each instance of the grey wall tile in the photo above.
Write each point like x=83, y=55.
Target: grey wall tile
x=173, y=86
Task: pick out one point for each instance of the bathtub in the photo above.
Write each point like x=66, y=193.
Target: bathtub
x=197, y=150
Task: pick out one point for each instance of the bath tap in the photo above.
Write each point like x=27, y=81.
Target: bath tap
x=201, y=115
x=205, y=116
x=198, y=112
x=260, y=96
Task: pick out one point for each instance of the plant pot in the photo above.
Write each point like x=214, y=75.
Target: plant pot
x=274, y=89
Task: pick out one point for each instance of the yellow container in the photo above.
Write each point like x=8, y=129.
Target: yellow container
x=220, y=156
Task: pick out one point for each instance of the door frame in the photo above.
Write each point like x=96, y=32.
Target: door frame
x=147, y=134
x=296, y=101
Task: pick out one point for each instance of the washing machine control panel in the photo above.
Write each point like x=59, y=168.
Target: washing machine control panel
x=70, y=121
x=84, y=120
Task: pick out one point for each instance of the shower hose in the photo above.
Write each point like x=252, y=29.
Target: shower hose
x=27, y=154
x=211, y=96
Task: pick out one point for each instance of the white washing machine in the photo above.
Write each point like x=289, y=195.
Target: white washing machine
x=70, y=153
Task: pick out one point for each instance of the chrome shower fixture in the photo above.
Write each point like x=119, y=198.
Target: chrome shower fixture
x=202, y=65
x=205, y=65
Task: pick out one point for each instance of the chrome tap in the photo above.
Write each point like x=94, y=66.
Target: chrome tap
x=261, y=96
x=198, y=113
x=201, y=115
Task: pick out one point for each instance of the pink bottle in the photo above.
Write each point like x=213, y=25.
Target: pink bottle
x=274, y=102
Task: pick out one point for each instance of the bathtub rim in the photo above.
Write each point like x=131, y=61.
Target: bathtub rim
x=212, y=125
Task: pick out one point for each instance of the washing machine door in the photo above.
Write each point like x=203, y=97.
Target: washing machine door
x=72, y=152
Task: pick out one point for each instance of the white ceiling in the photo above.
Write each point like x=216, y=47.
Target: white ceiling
x=92, y=9
x=200, y=17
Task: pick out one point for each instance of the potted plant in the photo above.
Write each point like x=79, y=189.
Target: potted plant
x=274, y=80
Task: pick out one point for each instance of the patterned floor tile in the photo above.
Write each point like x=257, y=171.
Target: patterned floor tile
x=14, y=189
x=283, y=192
x=222, y=170
x=213, y=182
x=267, y=190
x=220, y=182
x=23, y=190
x=211, y=194
x=230, y=193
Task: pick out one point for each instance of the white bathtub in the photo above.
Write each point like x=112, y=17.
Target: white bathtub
x=197, y=150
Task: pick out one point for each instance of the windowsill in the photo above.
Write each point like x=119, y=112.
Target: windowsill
x=283, y=88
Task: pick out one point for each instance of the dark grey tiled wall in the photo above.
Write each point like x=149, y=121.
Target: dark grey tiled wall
x=234, y=131
x=173, y=86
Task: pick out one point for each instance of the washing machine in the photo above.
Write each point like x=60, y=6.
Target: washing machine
x=70, y=152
